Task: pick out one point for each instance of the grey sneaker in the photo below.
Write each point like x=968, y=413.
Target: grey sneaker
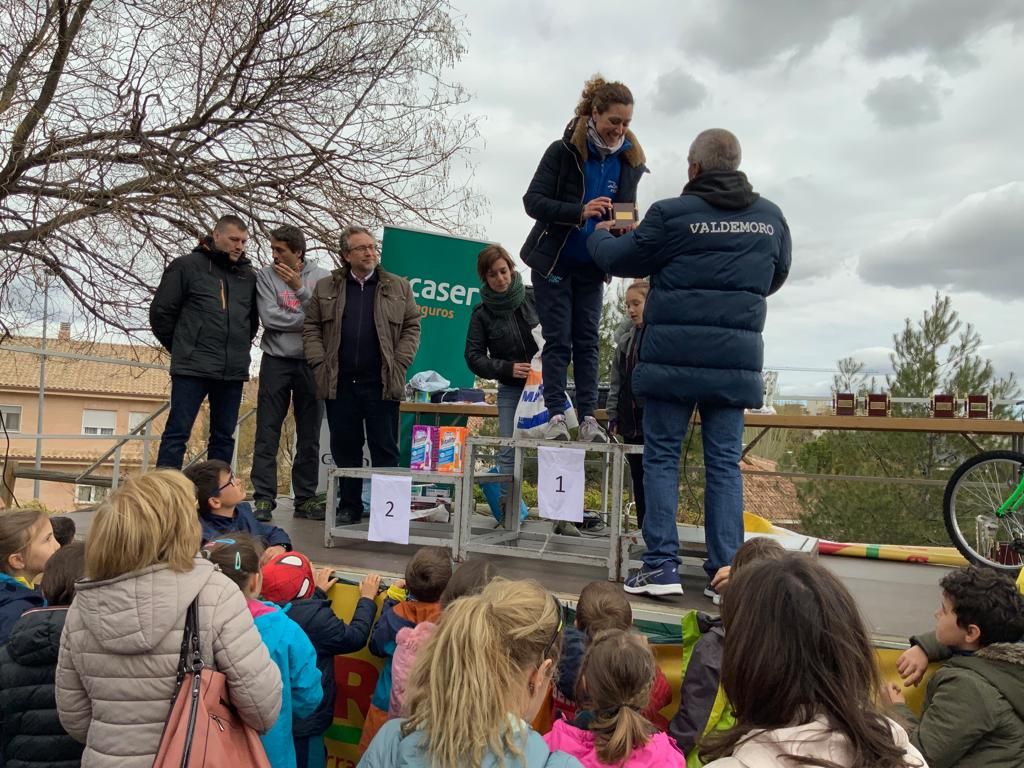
x=264, y=510
x=591, y=431
x=565, y=528
x=557, y=429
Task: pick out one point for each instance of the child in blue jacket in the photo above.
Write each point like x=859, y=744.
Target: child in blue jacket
x=239, y=559
x=289, y=581
x=26, y=544
x=223, y=509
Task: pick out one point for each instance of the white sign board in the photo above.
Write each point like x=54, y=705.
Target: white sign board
x=560, y=483
x=390, y=501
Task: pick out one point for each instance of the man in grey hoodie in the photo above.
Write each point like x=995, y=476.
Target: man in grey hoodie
x=282, y=292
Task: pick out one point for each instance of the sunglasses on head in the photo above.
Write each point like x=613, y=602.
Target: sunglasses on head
x=558, y=629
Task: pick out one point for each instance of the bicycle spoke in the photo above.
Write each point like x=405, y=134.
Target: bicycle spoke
x=972, y=513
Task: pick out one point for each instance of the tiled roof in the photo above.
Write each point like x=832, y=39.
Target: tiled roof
x=20, y=370
x=773, y=498
x=128, y=456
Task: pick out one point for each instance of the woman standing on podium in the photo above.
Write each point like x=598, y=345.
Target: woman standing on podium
x=598, y=162
x=500, y=345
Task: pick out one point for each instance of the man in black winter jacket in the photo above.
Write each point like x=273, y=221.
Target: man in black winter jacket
x=204, y=313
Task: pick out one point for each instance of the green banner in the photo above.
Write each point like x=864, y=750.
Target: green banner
x=442, y=272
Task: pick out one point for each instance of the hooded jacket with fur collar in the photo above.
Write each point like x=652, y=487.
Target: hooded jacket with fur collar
x=973, y=715
x=119, y=658
x=554, y=198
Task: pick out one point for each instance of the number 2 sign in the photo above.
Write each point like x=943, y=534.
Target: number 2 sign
x=390, y=501
x=560, y=483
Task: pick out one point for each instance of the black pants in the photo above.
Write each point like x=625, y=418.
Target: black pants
x=570, y=317
x=636, y=476
x=357, y=411
x=284, y=381
x=187, y=395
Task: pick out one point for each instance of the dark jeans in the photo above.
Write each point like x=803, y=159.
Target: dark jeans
x=187, y=395
x=721, y=428
x=357, y=410
x=570, y=314
x=636, y=475
x=285, y=380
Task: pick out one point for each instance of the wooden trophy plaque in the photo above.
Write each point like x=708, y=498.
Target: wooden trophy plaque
x=878, y=404
x=979, y=407
x=943, y=406
x=624, y=215
x=844, y=404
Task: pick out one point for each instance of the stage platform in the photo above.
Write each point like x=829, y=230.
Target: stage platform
x=897, y=599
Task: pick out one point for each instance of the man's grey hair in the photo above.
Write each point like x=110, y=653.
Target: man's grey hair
x=346, y=234
x=716, y=149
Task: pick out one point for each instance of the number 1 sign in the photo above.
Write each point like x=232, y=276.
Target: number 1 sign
x=390, y=501
x=560, y=483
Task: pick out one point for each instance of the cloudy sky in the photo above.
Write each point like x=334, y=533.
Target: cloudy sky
x=889, y=131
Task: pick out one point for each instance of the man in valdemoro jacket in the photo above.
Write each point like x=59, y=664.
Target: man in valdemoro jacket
x=283, y=290
x=713, y=254
x=361, y=333
x=204, y=314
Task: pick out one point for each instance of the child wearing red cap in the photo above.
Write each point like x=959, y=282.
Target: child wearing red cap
x=290, y=581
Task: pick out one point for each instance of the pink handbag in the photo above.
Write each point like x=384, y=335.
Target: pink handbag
x=203, y=730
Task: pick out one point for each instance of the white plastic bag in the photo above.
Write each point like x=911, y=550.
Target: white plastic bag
x=531, y=414
x=429, y=381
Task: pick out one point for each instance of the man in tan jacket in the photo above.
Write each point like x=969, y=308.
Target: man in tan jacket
x=361, y=333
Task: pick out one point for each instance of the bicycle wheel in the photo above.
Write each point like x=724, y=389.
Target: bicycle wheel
x=974, y=494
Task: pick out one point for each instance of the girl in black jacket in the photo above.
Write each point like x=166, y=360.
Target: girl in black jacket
x=625, y=410
x=30, y=730
x=596, y=163
x=500, y=345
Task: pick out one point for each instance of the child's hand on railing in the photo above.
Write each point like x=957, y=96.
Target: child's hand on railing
x=912, y=664
x=324, y=579
x=369, y=586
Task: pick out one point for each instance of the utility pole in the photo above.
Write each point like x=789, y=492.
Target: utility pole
x=42, y=383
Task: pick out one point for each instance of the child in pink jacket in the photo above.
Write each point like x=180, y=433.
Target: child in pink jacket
x=614, y=686
x=469, y=578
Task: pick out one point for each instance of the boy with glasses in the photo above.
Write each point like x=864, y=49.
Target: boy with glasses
x=223, y=509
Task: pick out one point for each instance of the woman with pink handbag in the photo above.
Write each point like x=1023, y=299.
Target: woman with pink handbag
x=123, y=638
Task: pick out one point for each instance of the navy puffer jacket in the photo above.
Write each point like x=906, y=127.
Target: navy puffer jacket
x=713, y=254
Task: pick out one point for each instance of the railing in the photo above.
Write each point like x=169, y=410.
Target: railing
x=141, y=432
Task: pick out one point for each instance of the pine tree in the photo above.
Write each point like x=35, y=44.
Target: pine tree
x=938, y=353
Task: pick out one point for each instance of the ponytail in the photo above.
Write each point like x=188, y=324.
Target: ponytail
x=615, y=684
x=619, y=733
x=599, y=94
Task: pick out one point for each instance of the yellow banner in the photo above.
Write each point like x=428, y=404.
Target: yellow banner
x=356, y=676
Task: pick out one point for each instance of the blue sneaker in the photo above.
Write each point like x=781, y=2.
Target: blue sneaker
x=658, y=581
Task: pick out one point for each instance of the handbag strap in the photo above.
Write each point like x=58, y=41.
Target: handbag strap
x=190, y=658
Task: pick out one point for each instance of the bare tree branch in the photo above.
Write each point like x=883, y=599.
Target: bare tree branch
x=128, y=126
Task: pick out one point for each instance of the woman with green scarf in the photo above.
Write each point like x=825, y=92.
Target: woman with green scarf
x=500, y=344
